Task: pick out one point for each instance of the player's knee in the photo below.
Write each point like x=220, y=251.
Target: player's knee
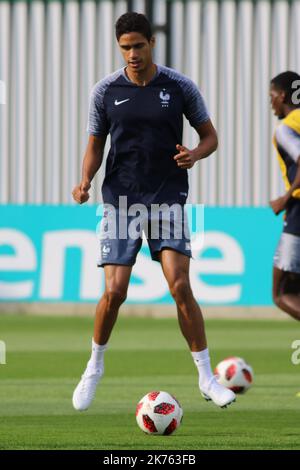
x=115, y=296
x=276, y=293
x=279, y=300
x=276, y=299
x=180, y=289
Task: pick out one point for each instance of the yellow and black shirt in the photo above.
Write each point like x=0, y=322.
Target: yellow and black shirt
x=287, y=143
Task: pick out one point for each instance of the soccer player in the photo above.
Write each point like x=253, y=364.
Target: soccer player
x=285, y=101
x=141, y=106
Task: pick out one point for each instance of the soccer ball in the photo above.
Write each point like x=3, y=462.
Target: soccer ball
x=235, y=374
x=158, y=413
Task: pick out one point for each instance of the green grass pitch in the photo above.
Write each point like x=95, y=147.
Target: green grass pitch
x=46, y=357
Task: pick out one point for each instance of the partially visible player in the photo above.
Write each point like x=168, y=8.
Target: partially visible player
x=284, y=94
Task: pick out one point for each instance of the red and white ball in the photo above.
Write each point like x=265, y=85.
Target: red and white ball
x=158, y=413
x=235, y=374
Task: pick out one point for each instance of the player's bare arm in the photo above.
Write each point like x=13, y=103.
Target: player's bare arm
x=91, y=163
x=186, y=158
x=279, y=204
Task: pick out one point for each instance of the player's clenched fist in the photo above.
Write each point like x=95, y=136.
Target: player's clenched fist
x=278, y=205
x=81, y=193
x=184, y=158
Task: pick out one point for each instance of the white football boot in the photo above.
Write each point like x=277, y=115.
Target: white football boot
x=217, y=393
x=85, y=391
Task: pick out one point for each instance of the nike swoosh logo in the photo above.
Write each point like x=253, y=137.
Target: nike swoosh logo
x=120, y=102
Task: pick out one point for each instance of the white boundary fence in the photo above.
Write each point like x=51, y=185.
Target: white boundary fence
x=51, y=54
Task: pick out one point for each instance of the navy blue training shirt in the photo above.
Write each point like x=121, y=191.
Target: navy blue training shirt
x=145, y=124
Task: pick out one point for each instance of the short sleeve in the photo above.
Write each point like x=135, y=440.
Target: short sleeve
x=289, y=140
x=195, y=109
x=97, y=119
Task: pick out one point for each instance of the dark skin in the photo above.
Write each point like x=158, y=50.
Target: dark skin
x=286, y=285
x=137, y=53
x=281, y=109
x=286, y=292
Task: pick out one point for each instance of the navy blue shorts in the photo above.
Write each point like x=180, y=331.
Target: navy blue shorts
x=121, y=234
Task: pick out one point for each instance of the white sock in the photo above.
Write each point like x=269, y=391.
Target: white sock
x=97, y=356
x=202, y=362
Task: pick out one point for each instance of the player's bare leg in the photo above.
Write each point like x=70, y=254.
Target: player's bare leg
x=116, y=285
x=286, y=292
x=176, y=270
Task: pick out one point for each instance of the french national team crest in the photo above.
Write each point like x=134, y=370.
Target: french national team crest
x=165, y=98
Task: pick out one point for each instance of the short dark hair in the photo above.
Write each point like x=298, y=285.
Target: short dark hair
x=284, y=82
x=133, y=23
